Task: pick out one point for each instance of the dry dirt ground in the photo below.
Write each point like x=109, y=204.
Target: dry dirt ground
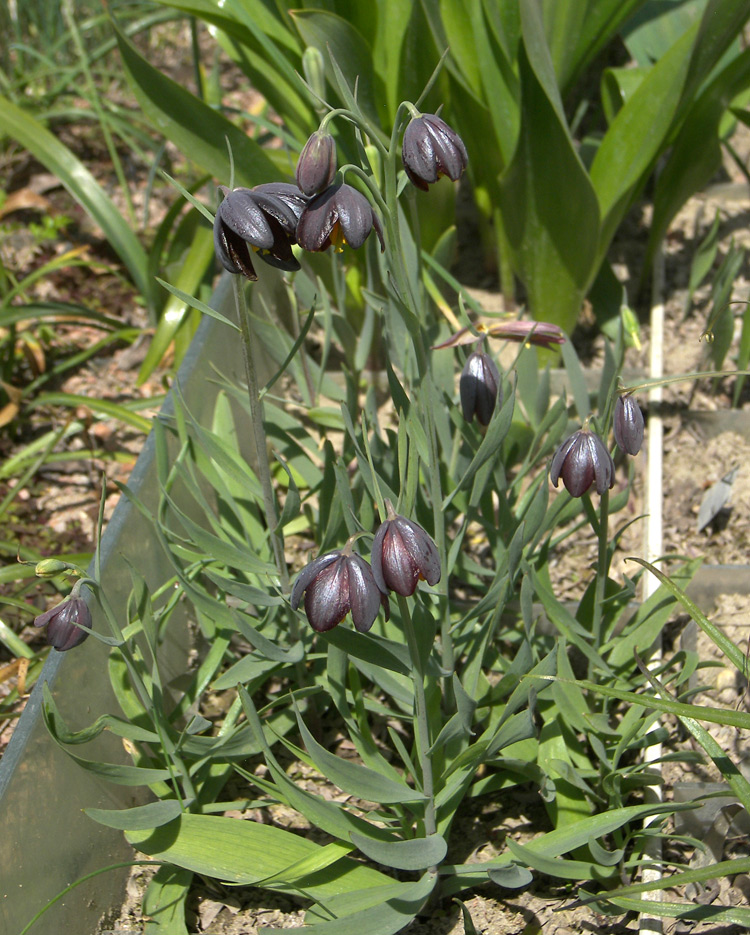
x=58, y=508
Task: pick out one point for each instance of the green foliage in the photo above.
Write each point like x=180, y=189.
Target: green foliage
x=487, y=680
x=516, y=69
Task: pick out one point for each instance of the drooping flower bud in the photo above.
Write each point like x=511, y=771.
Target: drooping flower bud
x=583, y=460
x=62, y=622
x=314, y=70
x=402, y=553
x=316, y=166
x=627, y=424
x=430, y=149
x=480, y=387
x=50, y=567
x=336, y=584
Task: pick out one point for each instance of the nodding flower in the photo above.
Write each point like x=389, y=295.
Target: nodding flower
x=480, y=387
x=63, y=632
x=337, y=216
x=583, y=460
x=336, y=584
x=430, y=149
x=627, y=424
x=260, y=221
x=402, y=553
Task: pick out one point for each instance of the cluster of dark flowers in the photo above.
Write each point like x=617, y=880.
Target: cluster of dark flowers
x=321, y=211
x=342, y=582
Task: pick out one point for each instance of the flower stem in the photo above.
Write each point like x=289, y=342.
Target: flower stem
x=421, y=721
x=600, y=526
x=259, y=435
x=427, y=392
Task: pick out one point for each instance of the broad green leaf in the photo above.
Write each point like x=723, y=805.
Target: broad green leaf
x=246, y=852
x=198, y=131
x=544, y=195
x=372, y=648
x=386, y=918
x=164, y=902
x=586, y=34
x=557, y=867
x=337, y=39
x=690, y=912
x=696, y=154
x=82, y=186
x=357, y=780
x=416, y=854
x=654, y=29
x=327, y=815
x=633, y=142
x=511, y=877
x=140, y=818
x=499, y=80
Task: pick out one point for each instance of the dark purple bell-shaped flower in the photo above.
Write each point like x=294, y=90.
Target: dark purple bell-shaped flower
x=480, y=387
x=583, y=460
x=61, y=622
x=430, y=149
x=402, y=553
x=316, y=166
x=627, y=425
x=260, y=221
x=336, y=584
x=339, y=215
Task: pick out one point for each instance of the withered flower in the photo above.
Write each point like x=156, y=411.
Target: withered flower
x=583, y=460
x=430, y=149
x=316, y=166
x=61, y=621
x=402, y=553
x=260, y=220
x=627, y=424
x=336, y=584
x=541, y=333
x=339, y=215
x=480, y=387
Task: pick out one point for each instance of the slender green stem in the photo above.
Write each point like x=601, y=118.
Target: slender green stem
x=259, y=435
x=601, y=530
x=421, y=721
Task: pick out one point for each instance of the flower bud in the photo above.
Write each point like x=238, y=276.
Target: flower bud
x=480, y=387
x=583, y=460
x=314, y=70
x=49, y=567
x=336, y=584
x=402, y=553
x=316, y=166
x=430, y=149
x=627, y=425
x=62, y=622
